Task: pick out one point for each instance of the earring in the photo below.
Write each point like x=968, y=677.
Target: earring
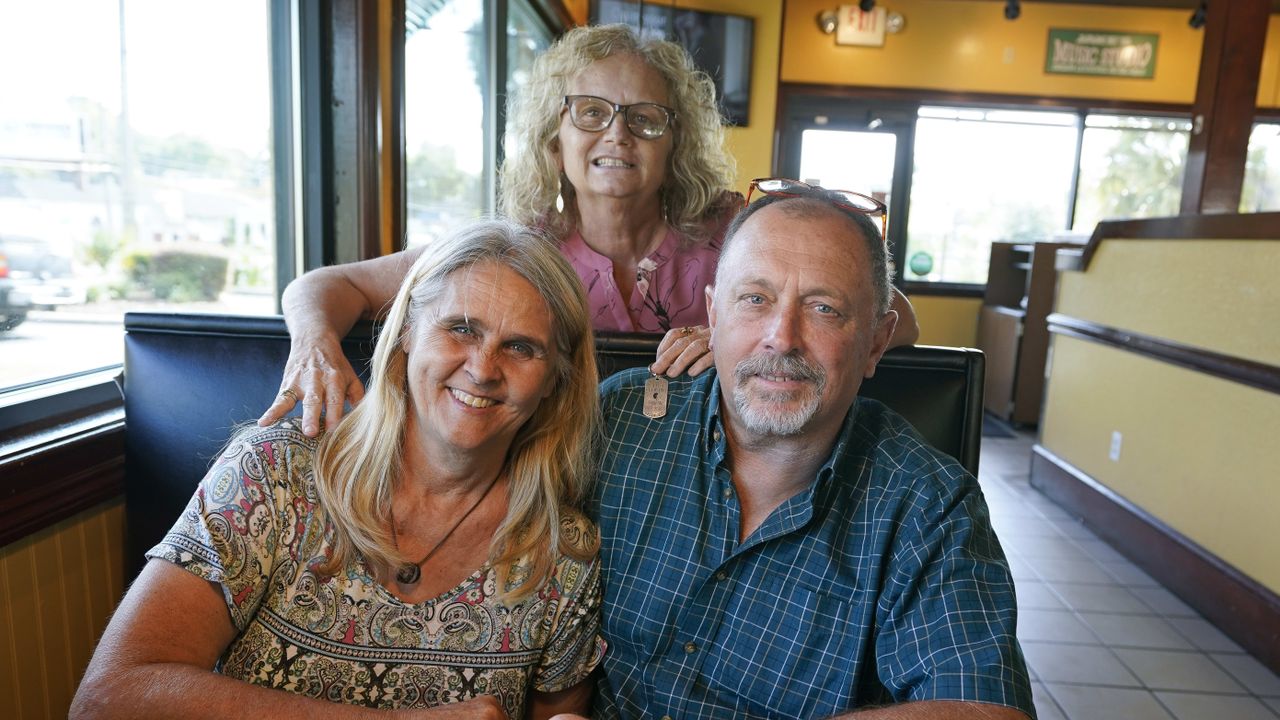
x=560, y=196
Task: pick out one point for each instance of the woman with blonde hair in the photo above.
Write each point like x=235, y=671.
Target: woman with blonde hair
x=426, y=555
x=619, y=153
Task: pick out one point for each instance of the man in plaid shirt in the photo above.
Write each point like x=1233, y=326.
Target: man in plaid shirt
x=774, y=546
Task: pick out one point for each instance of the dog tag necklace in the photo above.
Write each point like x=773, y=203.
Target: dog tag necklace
x=655, y=396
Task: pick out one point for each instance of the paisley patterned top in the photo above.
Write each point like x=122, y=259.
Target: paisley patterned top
x=253, y=527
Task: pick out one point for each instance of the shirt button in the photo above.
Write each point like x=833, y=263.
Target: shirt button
x=728, y=493
x=691, y=647
x=722, y=575
x=666, y=717
x=715, y=436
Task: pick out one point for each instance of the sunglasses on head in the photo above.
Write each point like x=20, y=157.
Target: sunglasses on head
x=847, y=199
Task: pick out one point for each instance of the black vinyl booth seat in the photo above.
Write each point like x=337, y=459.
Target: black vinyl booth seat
x=190, y=379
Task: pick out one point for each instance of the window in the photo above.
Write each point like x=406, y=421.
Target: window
x=135, y=173
x=1261, y=191
x=982, y=175
x=1130, y=167
x=527, y=37
x=444, y=79
x=449, y=152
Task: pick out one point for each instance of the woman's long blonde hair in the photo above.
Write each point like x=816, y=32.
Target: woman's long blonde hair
x=550, y=462
x=699, y=171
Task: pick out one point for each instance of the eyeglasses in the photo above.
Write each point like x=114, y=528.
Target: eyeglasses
x=648, y=121
x=849, y=200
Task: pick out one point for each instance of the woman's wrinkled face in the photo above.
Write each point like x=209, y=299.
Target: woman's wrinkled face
x=614, y=163
x=481, y=359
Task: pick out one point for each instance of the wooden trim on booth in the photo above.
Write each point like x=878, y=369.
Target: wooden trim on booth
x=1238, y=605
x=1235, y=226
x=50, y=483
x=1227, y=367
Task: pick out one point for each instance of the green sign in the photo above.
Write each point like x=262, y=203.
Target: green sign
x=921, y=263
x=1101, y=52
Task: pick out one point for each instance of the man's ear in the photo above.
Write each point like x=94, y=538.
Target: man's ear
x=710, y=293
x=880, y=341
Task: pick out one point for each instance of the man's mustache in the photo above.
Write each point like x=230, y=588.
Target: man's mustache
x=790, y=366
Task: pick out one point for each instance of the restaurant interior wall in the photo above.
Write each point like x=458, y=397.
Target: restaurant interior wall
x=967, y=46
x=1197, y=452
x=752, y=145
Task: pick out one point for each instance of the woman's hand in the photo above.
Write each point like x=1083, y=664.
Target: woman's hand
x=684, y=349
x=319, y=375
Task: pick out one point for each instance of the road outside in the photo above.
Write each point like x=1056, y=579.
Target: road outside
x=73, y=339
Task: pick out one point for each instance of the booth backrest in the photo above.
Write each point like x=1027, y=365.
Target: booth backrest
x=190, y=379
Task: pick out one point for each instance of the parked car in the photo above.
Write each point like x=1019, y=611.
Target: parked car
x=14, y=301
x=33, y=276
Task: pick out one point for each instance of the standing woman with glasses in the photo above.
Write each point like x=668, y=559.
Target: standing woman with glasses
x=620, y=156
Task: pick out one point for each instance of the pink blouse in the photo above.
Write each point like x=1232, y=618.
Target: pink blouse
x=669, y=284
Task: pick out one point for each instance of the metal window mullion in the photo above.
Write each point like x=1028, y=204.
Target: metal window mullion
x=284, y=147
x=313, y=127
x=1074, y=195
x=494, y=94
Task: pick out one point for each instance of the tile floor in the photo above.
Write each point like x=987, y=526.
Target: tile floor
x=1102, y=638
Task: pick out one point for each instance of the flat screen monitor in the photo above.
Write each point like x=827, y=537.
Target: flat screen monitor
x=719, y=43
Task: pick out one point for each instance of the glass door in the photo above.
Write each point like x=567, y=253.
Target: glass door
x=857, y=160
x=848, y=145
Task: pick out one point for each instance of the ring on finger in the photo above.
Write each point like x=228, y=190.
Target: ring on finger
x=686, y=330
x=289, y=393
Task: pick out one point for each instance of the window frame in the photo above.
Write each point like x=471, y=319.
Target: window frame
x=62, y=438
x=795, y=99
x=325, y=104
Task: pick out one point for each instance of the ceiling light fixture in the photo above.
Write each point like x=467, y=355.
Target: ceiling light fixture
x=1012, y=9
x=827, y=21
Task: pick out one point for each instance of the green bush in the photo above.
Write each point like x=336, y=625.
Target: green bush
x=178, y=275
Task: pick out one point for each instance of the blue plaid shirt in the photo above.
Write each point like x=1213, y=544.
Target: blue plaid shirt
x=881, y=582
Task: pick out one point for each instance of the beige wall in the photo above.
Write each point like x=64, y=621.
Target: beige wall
x=57, y=590
x=1221, y=295
x=1197, y=452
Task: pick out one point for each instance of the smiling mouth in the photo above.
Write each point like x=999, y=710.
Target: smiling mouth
x=779, y=378
x=611, y=163
x=471, y=400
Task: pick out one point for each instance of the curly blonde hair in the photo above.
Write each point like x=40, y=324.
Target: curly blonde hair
x=551, y=460
x=699, y=170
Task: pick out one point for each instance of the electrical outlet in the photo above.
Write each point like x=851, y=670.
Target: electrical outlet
x=1116, y=439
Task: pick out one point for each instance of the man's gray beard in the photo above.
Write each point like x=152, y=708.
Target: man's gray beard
x=759, y=411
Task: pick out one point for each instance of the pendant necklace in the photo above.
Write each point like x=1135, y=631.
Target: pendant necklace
x=411, y=573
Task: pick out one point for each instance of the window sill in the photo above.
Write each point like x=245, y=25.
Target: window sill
x=61, y=451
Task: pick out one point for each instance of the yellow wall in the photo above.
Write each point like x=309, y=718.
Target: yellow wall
x=967, y=45
x=57, y=590
x=1197, y=452
x=1269, y=79
x=949, y=321
x=579, y=10
x=752, y=146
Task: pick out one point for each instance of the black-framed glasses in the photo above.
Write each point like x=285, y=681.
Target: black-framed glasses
x=857, y=202
x=647, y=121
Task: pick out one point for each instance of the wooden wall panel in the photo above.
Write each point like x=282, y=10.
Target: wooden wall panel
x=57, y=590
